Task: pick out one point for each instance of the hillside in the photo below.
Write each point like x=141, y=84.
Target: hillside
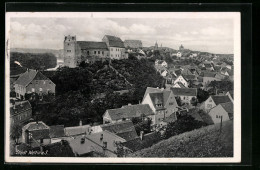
x=204, y=142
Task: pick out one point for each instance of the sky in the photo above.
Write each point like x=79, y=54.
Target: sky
x=202, y=34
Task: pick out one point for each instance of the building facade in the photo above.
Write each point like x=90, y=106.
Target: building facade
x=33, y=81
x=20, y=112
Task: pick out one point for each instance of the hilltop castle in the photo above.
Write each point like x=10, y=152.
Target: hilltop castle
x=75, y=51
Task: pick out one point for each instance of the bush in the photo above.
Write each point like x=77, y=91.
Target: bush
x=184, y=124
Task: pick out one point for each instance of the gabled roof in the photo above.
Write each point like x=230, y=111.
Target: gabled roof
x=32, y=126
x=133, y=43
x=220, y=99
x=231, y=92
x=130, y=111
x=92, y=45
x=208, y=65
x=20, y=107
x=181, y=85
x=76, y=130
x=57, y=131
x=152, y=90
x=208, y=74
x=184, y=91
x=228, y=107
x=115, y=41
x=124, y=129
x=189, y=77
x=29, y=76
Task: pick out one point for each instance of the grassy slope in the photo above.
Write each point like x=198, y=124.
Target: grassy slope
x=204, y=142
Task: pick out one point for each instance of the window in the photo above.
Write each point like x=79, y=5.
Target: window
x=98, y=52
x=36, y=82
x=103, y=52
x=50, y=82
x=95, y=52
x=33, y=90
x=68, y=50
x=170, y=103
x=87, y=52
x=209, y=105
x=68, y=44
x=111, y=49
x=216, y=116
x=43, y=81
x=41, y=141
x=40, y=89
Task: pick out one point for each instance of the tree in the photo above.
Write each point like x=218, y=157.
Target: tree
x=202, y=95
x=193, y=101
x=16, y=132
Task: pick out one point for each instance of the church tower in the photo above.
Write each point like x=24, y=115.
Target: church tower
x=156, y=46
x=70, y=52
x=181, y=48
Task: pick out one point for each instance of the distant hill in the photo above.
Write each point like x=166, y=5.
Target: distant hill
x=56, y=53
x=203, y=142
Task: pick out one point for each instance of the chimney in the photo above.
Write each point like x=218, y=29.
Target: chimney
x=80, y=123
x=101, y=137
x=141, y=135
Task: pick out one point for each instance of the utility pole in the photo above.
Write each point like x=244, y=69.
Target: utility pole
x=220, y=124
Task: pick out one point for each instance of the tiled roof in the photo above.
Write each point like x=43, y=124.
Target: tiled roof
x=220, y=99
x=189, y=77
x=148, y=140
x=207, y=65
x=76, y=130
x=38, y=130
x=181, y=85
x=35, y=126
x=92, y=45
x=29, y=76
x=208, y=74
x=130, y=111
x=152, y=90
x=184, y=91
x=133, y=43
x=20, y=107
x=124, y=129
x=57, y=131
x=228, y=107
x=115, y=41
x=93, y=143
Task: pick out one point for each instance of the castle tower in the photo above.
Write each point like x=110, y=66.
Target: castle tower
x=70, y=52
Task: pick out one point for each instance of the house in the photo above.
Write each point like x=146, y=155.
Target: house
x=161, y=63
x=230, y=94
x=116, y=47
x=182, y=80
x=209, y=66
x=164, y=73
x=162, y=102
x=100, y=144
x=77, y=130
x=20, y=112
x=133, y=44
x=185, y=94
x=179, y=54
x=208, y=77
x=224, y=110
x=33, y=81
x=213, y=101
x=123, y=129
x=127, y=113
x=178, y=85
x=56, y=133
x=226, y=71
x=36, y=134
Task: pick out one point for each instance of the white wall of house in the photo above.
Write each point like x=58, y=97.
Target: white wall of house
x=209, y=104
x=182, y=80
x=216, y=112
